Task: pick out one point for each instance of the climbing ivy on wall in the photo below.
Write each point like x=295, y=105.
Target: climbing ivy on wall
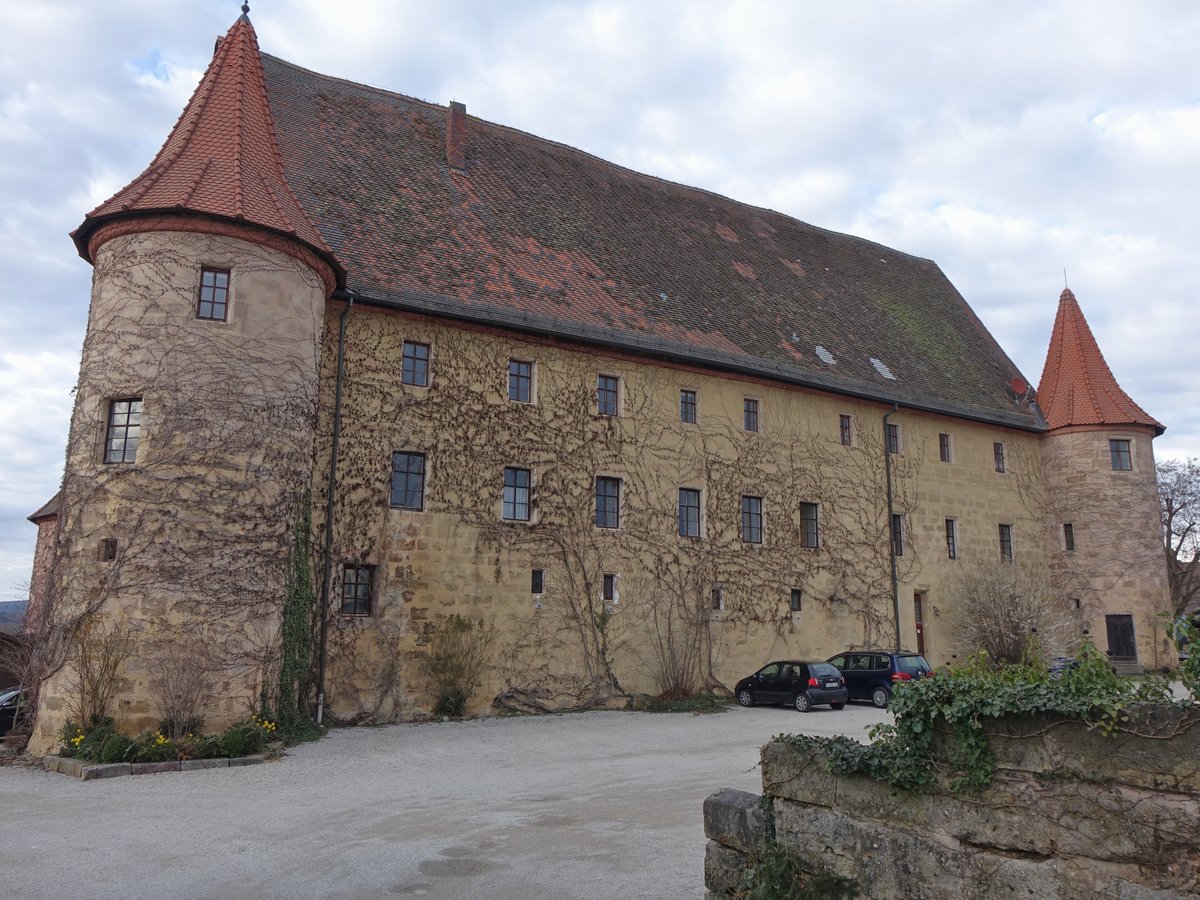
x=296, y=633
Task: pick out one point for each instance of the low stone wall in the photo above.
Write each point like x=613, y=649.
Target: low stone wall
x=1070, y=813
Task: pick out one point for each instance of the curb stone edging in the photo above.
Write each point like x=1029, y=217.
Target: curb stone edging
x=92, y=771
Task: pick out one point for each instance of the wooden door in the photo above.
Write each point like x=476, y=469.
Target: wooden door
x=1121, y=644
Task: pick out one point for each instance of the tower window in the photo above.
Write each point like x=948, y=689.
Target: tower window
x=608, y=395
x=608, y=502
x=687, y=407
x=951, y=539
x=1068, y=537
x=718, y=599
x=898, y=534
x=520, y=381
x=944, y=447
x=516, y=494
x=609, y=588
x=892, y=438
x=689, y=512
x=214, y=294
x=750, y=414
x=846, y=430
x=752, y=520
x=408, y=480
x=415, y=366
x=1118, y=452
x=796, y=600
x=1006, y=543
x=809, y=526
x=998, y=454
x=537, y=581
x=124, y=430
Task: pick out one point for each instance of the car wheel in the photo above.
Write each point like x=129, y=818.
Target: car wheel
x=803, y=704
x=881, y=697
x=745, y=697
x=838, y=705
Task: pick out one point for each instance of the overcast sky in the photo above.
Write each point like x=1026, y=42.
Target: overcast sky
x=1007, y=141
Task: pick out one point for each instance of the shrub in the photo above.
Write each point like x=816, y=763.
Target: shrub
x=114, y=748
x=181, y=682
x=458, y=652
x=152, y=746
x=451, y=702
x=775, y=873
x=233, y=742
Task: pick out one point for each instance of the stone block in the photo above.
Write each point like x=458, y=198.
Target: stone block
x=252, y=760
x=738, y=819
x=796, y=775
x=192, y=765
x=50, y=762
x=105, y=770
x=723, y=868
x=72, y=767
x=153, y=768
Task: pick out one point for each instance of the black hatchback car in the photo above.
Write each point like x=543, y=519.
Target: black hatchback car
x=873, y=674
x=793, y=683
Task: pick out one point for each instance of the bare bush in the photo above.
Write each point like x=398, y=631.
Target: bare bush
x=181, y=682
x=458, y=653
x=1008, y=611
x=98, y=653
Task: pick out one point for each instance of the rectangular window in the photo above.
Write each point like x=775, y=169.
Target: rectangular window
x=610, y=588
x=516, y=494
x=689, y=512
x=809, y=533
x=1118, y=452
x=537, y=581
x=124, y=430
x=1068, y=537
x=356, y=590
x=998, y=454
x=520, y=381
x=951, y=539
x=898, y=534
x=408, y=480
x=846, y=430
x=414, y=368
x=892, y=437
x=687, y=407
x=214, y=294
x=750, y=414
x=796, y=600
x=718, y=599
x=608, y=395
x=107, y=551
x=752, y=519
x=608, y=502
x=1006, y=543
x=944, y=447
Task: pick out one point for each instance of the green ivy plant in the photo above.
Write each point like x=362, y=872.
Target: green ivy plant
x=956, y=704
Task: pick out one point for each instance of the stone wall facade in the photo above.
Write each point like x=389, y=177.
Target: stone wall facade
x=1070, y=814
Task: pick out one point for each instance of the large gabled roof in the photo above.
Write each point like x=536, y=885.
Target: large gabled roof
x=536, y=235
x=1077, y=386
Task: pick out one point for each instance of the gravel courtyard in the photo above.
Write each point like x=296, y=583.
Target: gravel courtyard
x=586, y=805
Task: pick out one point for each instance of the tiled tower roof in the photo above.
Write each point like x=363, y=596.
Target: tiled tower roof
x=221, y=159
x=1077, y=387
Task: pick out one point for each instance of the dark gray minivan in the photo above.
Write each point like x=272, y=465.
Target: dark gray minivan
x=873, y=674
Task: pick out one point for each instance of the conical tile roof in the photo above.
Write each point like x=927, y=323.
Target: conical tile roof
x=221, y=159
x=1077, y=387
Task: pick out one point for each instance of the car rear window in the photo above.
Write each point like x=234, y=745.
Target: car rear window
x=912, y=664
x=822, y=670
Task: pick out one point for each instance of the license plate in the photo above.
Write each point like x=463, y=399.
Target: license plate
x=832, y=684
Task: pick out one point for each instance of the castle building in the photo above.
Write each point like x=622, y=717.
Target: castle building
x=643, y=437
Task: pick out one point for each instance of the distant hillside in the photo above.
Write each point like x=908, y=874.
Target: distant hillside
x=12, y=614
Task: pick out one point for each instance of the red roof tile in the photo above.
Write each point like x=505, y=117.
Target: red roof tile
x=1077, y=387
x=221, y=159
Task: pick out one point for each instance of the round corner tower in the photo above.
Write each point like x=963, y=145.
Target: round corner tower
x=191, y=443
x=1102, y=511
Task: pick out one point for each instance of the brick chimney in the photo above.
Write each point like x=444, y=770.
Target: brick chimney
x=456, y=136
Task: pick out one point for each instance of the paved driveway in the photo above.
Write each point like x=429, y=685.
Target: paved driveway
x=586, y=805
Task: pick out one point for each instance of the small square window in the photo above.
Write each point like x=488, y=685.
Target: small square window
x=998, y=455
x=892, y=435
x=414, y=368
x=846, y=430
x=608, y=395
x=357, y=590
x=750, y=414
x=408, y=480
x=944, y=447
x=1068, y=537
x=687, y=407
x=516, y=494
x=951, y=539
x=608, y=502
x=689, y=512
x=520, y=381
x=1118, y=452
x=1006, y=543
x=537, y=581
x=609, y=588
x=124, y=430
x=107, y=550
x=898, y=534
x=796, y=601
x=809, y=526
x=752, y=519
x=718, y=599
x=214, y=294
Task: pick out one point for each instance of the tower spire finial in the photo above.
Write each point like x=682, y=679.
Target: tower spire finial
x=245, y=9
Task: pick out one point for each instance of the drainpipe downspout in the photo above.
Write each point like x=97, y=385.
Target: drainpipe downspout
x=887, y=456
x=327, y=558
